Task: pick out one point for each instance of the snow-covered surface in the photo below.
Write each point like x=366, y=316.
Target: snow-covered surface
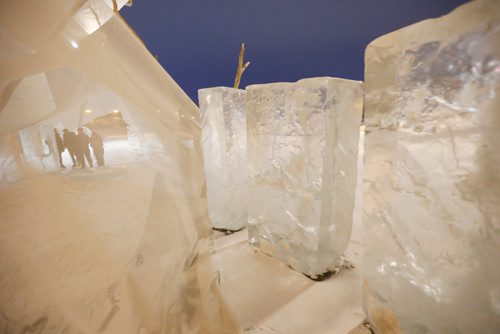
x=108, y=250
x=109, y=268
x=92, y=250
x=267, y=296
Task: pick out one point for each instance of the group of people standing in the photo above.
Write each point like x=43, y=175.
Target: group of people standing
x=77, y=145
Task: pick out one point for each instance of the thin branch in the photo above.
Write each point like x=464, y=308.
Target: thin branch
x=115, y=7
x=241, y=67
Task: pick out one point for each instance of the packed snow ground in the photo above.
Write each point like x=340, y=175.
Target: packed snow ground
x=108, y=250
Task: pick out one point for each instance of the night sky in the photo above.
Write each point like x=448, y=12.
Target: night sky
x=198, y=41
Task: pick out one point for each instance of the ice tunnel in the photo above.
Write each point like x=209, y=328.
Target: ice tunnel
x=91, y=250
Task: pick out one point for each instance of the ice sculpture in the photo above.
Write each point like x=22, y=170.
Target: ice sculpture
x=432, y=180
x=98, y=250
x=224, y=149
x=302, y=153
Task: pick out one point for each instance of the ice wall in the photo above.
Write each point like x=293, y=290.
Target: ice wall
x=302, y=153
x=98, y=250
x=224, y=139
x=10, y=159
x=432, y=181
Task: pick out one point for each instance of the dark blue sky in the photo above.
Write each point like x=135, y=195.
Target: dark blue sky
x=198, y=41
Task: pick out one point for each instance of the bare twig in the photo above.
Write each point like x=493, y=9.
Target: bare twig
x=115, y=7
x=241, y=67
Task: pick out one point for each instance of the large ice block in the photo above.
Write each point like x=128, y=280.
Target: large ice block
x=224, y=150
x=432, y=175
x=302, y=153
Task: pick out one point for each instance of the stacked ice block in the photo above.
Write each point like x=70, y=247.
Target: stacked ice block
x=224, y=151
x=302, y=154
x=432, y=175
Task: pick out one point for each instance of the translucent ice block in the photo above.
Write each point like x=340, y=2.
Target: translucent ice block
x=302, y=153
x=120, y=248
x=224, y=151
x=432, y=180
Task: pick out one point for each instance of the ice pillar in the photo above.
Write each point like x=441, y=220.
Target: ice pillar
x=432, y=175
x=224, y=151
x=302, y=153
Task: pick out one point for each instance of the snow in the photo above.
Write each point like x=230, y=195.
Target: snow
x=111, y=257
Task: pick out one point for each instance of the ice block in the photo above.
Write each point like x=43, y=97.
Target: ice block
x=432, y=180
x=224, y=151
x=302, y=154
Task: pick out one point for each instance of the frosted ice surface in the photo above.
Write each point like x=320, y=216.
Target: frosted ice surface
x=432, y=180
x=302, y=153
x=108, y=249
x=224, y=151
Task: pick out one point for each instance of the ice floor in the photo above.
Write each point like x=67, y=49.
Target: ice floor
x=122, y=264
x=266, y=296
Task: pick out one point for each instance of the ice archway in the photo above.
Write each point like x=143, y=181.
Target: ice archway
x=93, y=250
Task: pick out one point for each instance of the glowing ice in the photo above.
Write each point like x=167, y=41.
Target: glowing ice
x=432, y=182
x=109, y=249
x=302, y=152
x=224, y=150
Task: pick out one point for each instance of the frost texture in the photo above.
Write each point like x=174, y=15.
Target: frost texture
x=122, y=248
x=224, y=151
x=302, y=153
x=432, y=181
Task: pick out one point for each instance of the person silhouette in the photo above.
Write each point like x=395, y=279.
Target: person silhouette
x=82, y=148
x=60, y=147
x=69, y=140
